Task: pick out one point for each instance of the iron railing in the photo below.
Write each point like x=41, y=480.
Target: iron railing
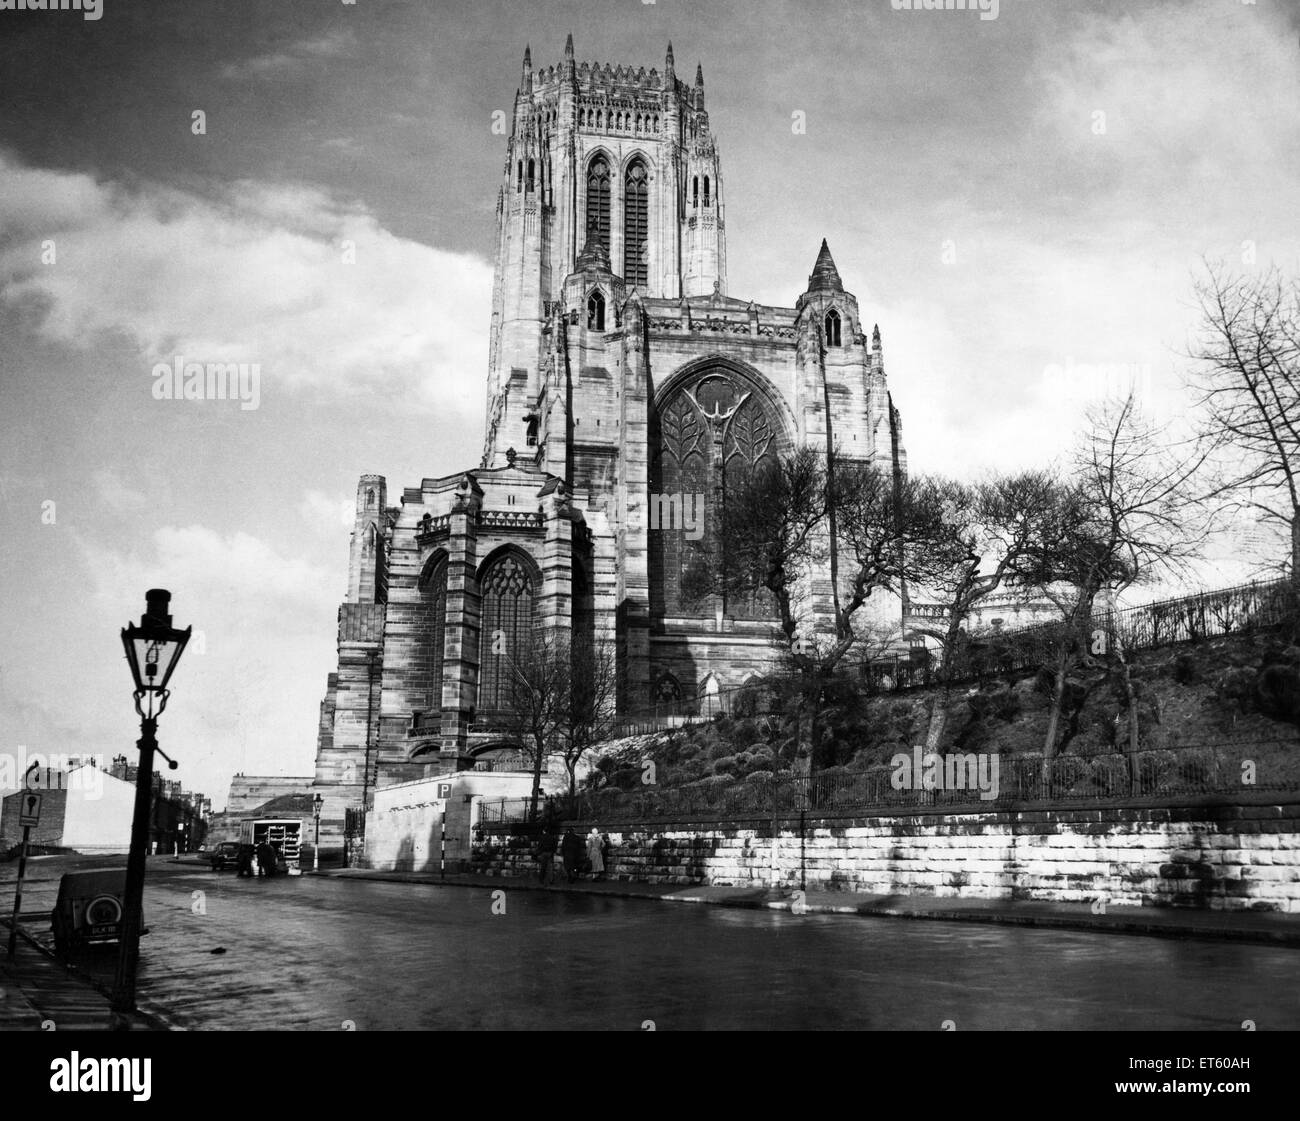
x=971, y=781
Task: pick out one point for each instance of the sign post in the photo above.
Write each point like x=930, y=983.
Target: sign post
x=29, y=814
x=443, y=790
x=442, y=839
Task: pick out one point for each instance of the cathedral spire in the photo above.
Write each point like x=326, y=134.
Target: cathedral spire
x=699, y=75
x=569, y=68
x=825, y=276
x=669, y=69
x=528, y=68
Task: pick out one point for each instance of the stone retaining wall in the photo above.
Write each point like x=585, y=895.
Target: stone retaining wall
x=1215, y=857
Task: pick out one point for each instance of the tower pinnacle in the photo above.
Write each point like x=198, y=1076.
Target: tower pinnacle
x=825, y=276
x=568, y=48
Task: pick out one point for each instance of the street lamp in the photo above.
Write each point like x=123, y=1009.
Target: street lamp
x=153, y=650
x=316, y=804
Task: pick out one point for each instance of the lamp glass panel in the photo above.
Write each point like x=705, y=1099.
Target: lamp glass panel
x=155, y=656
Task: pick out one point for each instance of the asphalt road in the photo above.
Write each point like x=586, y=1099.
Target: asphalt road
x=333, y=954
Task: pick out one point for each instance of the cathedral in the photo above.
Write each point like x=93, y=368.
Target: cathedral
x=627, y=389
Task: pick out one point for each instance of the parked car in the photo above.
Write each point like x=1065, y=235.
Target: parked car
x=89, y=909
x=224, y=855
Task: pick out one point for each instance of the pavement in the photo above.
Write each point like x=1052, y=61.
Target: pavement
x=38, y=992
x=1269, y=927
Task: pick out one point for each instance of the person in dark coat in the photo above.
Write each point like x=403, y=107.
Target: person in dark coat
x=607, y=851
x=546, y=858
x=244, y=862
x=571, y=849
x=266, y=859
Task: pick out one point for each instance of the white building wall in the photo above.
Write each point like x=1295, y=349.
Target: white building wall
x=99, y=812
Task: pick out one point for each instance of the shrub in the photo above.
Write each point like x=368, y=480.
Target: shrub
x=1197, y=767
x=627, y=778
x=711, y=789
x=1006, y=705
x=744, y=733
x=1069, y=773
x=1277, y=692
x=1155, y=771
x=1109, y=775
x=727, y=765
x=1185, y=670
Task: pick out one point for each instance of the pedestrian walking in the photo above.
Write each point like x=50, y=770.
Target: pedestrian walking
x=570, y=853
x=266, y=859
x=244, y=862
x=594, y=854
x=546, y=858
x=607, y=853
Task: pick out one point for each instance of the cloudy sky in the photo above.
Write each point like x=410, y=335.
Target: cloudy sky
x=1011, y=199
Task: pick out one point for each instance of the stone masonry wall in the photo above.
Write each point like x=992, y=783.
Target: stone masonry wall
x=1213, y=857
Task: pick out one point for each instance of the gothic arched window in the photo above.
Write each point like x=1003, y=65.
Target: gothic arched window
x=532, y=172
x=430, y=633
x=695, y=191
x=832, y=328
x=706, y=190
x=636, y=229
x=598, y=201
x=709, y=434
x=596, y=311
x=519, y=177
x=507, y=628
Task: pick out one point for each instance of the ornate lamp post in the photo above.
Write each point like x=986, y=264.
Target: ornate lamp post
x=153, y=650
x=316, y=804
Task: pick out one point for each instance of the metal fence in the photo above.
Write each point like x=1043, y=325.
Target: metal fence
x=971, y=781
x=513, y=762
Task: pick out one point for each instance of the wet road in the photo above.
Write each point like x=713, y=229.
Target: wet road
x=317, y=953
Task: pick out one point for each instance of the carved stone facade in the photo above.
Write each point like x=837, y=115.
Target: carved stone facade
x=626, y=392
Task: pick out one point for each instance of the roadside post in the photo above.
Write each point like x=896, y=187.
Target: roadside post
x=444, y=797
x=153, y=649
x=29, y=816
x=316, y=804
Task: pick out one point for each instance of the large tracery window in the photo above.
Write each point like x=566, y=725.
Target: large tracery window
x=509, y=594
x=598, y=201
x=431, y=631
x=712, y=432
x=636, y=231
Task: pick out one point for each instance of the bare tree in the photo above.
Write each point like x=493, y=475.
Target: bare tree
x=590, y=710
x=987, y=532
x=1130, y=514
x=537, y=697
x=1247, y=377
x=776, y=531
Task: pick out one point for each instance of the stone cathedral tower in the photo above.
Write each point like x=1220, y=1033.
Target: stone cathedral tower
x=626, y=390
